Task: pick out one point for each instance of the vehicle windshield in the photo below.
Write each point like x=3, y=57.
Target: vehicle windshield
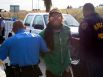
x=68, y=20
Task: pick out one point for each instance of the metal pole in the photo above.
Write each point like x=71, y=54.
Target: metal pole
x=38, y=4
x=32, y=5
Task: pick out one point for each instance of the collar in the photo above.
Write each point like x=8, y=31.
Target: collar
x=20, y=31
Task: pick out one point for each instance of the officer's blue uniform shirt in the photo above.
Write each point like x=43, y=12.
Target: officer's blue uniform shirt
x=23, y=48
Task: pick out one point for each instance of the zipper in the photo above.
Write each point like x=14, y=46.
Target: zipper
x=61, y=50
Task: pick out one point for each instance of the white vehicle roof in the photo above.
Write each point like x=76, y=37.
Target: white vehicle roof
x=68, y=20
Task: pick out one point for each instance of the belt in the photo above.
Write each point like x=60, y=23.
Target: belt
x=24, y=67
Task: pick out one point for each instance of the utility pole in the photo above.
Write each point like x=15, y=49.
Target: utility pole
x=32, y=5
x=38, y=4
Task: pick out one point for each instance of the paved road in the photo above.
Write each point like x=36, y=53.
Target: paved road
x=42, y=67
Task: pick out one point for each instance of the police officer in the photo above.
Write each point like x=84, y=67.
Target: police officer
x=2, y=29
x=91, y=41
x=23, y=50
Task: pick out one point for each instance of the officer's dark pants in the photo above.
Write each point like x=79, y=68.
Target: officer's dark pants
x=28, y=71
x=81, y=69
x=95, y=69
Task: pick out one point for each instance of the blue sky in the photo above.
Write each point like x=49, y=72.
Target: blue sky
x=27, y=4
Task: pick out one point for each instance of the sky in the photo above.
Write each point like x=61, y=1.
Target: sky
x=39, y=4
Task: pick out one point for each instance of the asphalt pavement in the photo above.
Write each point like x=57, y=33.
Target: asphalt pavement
x=42, y=67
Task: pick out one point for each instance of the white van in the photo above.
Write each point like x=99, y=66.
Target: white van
x=36, y=22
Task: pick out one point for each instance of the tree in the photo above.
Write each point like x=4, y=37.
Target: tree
x=48, y=4
x=69, y=7
x=1, y=10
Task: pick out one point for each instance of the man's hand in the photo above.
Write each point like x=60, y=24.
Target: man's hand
x=1, y=62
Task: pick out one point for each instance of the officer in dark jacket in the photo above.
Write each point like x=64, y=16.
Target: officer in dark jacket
x=2, y=29
x=91, y=41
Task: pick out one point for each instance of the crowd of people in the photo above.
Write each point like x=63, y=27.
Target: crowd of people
x=53, y=45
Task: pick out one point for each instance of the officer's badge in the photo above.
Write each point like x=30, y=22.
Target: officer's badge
x=84, y=25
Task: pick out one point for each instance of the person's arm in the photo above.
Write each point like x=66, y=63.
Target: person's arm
x=85, y=34
x=3, y=23
x=43, y=46
x=4, y=50
x=1, y=29
x=42, y=33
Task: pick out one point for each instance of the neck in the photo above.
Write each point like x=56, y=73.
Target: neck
x=20, y=30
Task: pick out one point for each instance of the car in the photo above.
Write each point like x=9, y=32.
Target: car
x=36, y=22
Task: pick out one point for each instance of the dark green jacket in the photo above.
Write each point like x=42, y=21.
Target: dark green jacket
x=59, y=59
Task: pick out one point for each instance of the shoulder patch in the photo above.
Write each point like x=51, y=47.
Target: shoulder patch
x=84, y=25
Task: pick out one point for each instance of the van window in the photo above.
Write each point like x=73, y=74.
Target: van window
x=46, y=19
x=38, y=22
x=70, y=21
x=28, y=20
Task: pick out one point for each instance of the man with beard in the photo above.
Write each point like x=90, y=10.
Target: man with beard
x=57, y=37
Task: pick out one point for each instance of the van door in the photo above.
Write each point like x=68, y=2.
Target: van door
x=38, y=24
x=28, y=20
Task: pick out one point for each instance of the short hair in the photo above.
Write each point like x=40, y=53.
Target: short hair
x=89, y=7
x=18, y=24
